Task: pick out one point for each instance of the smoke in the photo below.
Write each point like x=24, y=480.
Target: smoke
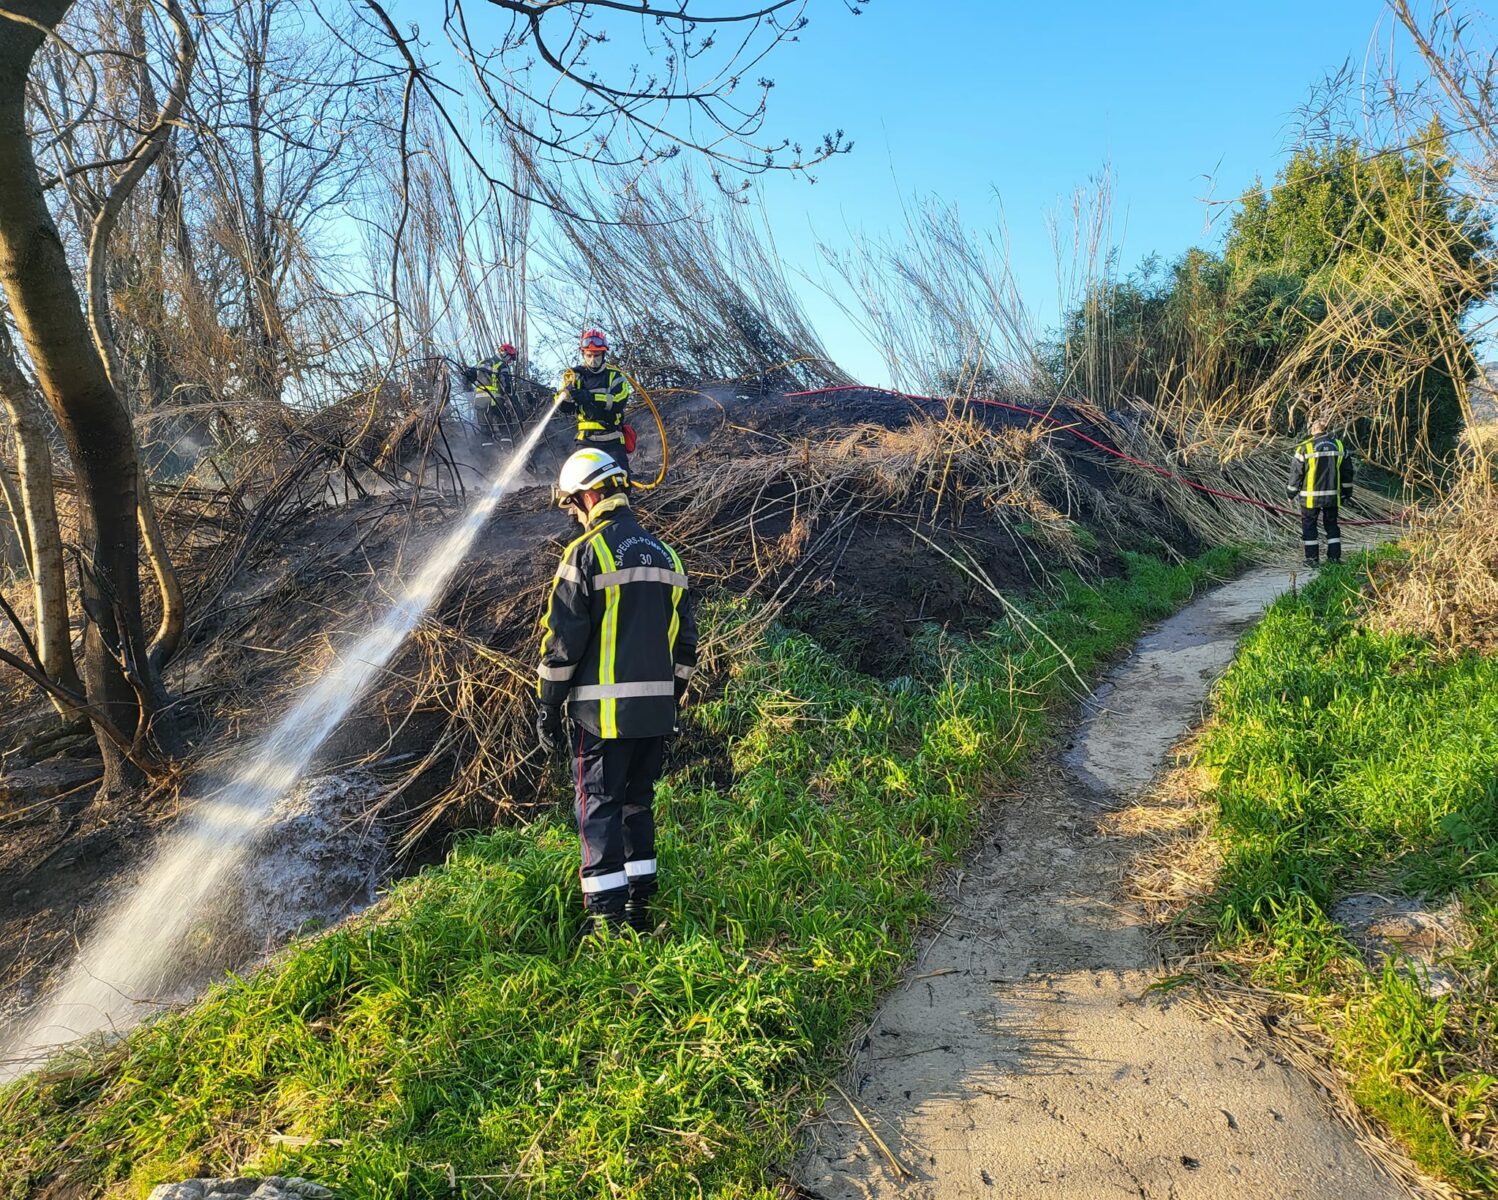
x=132, y=961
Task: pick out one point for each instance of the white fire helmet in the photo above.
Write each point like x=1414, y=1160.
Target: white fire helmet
x=588, y=470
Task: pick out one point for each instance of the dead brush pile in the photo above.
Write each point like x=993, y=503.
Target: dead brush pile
x=838, y=513
x=1445, y=585
x=273, y=545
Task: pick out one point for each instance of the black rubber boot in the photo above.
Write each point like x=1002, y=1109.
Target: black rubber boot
x=603, y=926
x=637, y=916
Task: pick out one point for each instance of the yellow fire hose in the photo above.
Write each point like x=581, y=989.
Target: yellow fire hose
x=660, y=425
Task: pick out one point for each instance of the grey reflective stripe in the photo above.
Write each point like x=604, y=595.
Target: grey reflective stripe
x=1318, y=492
x=623, y=691
x=598, y=435
x=641, y=866
x=683, y=671
x=605, y=883
x=570, y=573
x=1333, y=541
x=557, y=674
x=640, y=575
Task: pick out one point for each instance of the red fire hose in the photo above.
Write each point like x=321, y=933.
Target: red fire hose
x=1062, y=426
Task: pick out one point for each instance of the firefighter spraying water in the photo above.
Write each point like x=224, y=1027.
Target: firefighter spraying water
x=598, y=393
x=130, y=963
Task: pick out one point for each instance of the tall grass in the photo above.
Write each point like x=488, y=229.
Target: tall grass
x=1352, y=760
x=457, y=1040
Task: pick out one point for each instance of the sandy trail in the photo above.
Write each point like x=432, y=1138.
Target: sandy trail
x=1021, y=1056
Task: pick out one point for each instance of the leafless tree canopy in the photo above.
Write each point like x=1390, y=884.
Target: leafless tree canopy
x=279, y=223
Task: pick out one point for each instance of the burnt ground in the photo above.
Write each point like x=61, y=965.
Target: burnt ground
x=311, y=579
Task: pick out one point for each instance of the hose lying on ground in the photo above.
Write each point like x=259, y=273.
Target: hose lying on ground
x=1065, y=427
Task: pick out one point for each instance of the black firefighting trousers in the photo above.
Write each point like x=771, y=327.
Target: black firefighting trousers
x=615, y=779
x=495, y=423
x=1308, y=538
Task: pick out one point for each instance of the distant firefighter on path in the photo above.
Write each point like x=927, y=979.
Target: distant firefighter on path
x=1321, y=482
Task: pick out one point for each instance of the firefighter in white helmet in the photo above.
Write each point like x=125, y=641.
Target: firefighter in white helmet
x=618, y=646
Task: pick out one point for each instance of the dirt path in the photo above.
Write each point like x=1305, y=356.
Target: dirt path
x=1021, y=1056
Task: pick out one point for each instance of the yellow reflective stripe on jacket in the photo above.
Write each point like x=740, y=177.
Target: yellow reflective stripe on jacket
x=676, y=593
x=608, y=642
x=1307, y=451
x=564, y=571
x=617, y=394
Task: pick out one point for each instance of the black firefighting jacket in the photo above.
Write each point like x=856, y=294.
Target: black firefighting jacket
x=494, y=378
x=1322, y=473
x=618, y=638
x=599, y=399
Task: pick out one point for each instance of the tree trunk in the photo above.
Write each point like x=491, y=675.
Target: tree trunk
x=262, y=306
x=173, y=617
x=12, y=500
x=54, y=635
x=94, y=424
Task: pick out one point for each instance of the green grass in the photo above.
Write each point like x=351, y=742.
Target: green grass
x=1348, y=761
x=458, y=1042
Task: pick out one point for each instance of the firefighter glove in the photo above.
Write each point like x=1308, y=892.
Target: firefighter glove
x=1346, y=494
x=549, y=727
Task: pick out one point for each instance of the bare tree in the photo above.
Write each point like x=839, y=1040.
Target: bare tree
x=197, y=172
x=691, y=285
x=35, y=507
x=693, y=93
x=94, y=424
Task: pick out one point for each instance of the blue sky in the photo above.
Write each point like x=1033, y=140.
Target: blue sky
x=968, y=101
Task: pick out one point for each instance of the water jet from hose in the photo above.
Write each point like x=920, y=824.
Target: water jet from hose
x=129, y=963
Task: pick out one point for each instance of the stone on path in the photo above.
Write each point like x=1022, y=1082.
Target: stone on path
x=273, y=1187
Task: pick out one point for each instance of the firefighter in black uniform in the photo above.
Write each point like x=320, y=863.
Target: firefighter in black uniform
x=618, y=645
x=493, y=383
x=1321, y=482
x=598, y=394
